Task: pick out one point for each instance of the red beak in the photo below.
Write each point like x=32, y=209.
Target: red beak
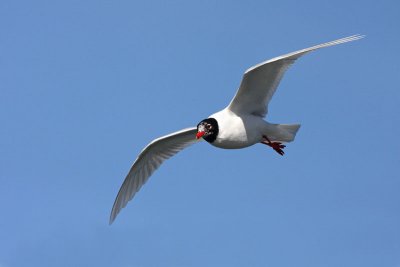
x=200, y=134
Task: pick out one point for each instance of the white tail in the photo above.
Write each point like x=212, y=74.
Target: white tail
x=289, y=131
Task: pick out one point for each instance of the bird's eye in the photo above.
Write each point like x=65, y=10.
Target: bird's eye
x=208, y=126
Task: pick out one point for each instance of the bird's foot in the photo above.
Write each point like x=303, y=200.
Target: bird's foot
x=277, y=146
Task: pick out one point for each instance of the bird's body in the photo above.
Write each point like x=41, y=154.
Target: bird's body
x=239, y=125
x=232, y=130
x=237, y=131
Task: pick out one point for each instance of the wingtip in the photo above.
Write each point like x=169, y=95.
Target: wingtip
x=331, y=43
x=353, y=37
x=350, y=38
x=113, y=215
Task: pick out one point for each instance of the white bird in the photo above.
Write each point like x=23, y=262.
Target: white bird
x=239, y=125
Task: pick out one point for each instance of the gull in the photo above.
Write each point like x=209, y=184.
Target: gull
x=241, y=124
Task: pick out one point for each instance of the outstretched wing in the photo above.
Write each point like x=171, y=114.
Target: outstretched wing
x=151, y=157
x=259, y=82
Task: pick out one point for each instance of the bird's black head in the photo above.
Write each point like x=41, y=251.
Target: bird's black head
x=208, y=129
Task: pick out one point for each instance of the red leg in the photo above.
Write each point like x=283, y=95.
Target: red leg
x=277, y=146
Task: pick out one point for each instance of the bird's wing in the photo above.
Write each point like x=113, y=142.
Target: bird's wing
x=260, y=81
x=151, y=157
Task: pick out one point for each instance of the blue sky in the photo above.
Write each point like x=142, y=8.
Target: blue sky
x=85, y=85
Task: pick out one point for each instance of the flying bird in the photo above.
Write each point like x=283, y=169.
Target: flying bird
x=239, y=125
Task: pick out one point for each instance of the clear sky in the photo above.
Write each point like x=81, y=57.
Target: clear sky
x=85, y=85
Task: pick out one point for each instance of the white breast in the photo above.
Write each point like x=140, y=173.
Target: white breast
x=237, y=132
